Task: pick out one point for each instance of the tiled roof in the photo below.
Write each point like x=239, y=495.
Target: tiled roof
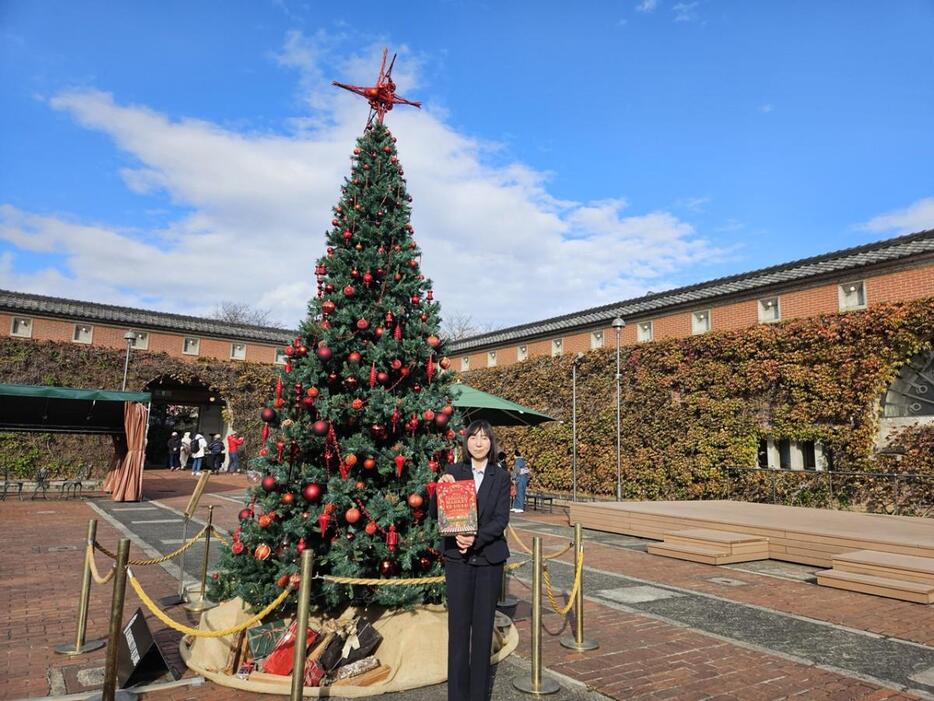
x=838, y=262
x=142, y=319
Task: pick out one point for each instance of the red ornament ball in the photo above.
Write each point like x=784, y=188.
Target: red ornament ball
x=312, y=392
x=387, y=567
x=262, y=551
x=312, y=492
x=352, y=515
x=349, y=291
x=320, y=427
x=415, y=501
x=370, y=528
x=245, y=514
x=288, y=498
x=363, y=324
x=324, y=352
x=441, y=420
x=328, y=307
x=433, y=341
x=354, y=357
x=283, y=581
x=357, y=404
x=369, y=464
x=445, y=363
x=264, y=521
x=428, y=415
x=269, y=483
x=268, y=415
x=236, y=548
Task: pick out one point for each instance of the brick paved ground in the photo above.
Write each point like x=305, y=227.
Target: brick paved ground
x=640, y=657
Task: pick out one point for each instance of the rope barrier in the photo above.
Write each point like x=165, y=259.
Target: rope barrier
x=563, y=611
x=89, y=554
x=525, y=548
x=188, y=630
x=156, y=560
x=220, y=536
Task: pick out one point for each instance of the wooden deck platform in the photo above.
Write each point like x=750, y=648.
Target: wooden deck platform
x=795, y=534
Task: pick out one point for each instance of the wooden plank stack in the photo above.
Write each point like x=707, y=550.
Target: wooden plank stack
x=711, y=547
x=904, y=577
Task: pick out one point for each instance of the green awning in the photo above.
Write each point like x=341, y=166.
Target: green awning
x=100, y=395
x=38, y=408
x=475, y=404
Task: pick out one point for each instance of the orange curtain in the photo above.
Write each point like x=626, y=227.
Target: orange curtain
x=125, y=483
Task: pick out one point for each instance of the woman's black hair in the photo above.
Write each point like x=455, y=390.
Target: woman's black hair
x=474, y=428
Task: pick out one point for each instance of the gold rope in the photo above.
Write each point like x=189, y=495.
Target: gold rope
x=157, y=560
x=188, y=630
x=410, y=581
x=562, y=611
x=220, y=536
x=89, y=554
x=527, y=551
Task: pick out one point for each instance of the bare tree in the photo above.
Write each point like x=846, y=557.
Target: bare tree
x=458, y=325
x=240, y=313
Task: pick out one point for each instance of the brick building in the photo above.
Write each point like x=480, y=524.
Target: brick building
x=893, y=270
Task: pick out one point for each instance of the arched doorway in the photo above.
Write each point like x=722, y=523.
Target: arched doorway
x=180, y=406
x=910, y=398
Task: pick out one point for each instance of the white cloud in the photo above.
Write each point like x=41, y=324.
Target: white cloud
x=917, y=216
x=685, y=11
x=498, y=244
x=647, y=6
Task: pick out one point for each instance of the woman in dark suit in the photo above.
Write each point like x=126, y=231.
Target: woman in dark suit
x=473, y=567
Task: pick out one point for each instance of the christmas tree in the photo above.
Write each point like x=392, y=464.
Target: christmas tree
x=361, y=419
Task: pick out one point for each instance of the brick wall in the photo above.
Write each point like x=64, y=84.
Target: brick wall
x=895, y=286
x=159, y=341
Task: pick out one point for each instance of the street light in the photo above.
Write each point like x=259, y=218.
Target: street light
x=129, y=337
x=618, y=324
x=574, y=365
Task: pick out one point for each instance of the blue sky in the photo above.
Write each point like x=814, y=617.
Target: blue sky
x=569, y=154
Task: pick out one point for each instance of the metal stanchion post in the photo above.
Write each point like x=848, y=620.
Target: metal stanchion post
x=301, y=631
x=202, y=603
x=505, y=601
x=536, y=684
x=116, y=621
x=577, y=641
x=80, y=645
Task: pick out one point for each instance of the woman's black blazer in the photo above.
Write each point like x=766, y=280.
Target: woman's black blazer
x=489, y=546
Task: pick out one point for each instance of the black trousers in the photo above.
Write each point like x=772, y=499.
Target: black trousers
x=472, y=592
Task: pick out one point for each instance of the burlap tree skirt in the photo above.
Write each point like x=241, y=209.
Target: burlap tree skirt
x=414, y=647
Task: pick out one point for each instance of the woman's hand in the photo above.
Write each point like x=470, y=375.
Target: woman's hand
x=448, y=477
x=464, y=542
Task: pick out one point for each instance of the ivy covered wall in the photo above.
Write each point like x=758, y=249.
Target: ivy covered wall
x=244, y=387
x=692, y=406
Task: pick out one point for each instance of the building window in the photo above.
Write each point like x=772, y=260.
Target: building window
x=596, y=340
x=557, y=346
x=238, y=351
x=491, y=359
x=140, y=340
x=769, y=310
x=21, y=327
x=852, y=295
x=280, y=356
x=465, y=363
x=784, y=454
x=644, y=331
x=190, y=345
x=522, y=353
x=700, y=322
x=83, y=333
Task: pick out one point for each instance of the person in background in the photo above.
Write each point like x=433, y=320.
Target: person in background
x=520, y=472
x=175, y=449
x=197, y=454
x=185, y=453
x=473, y=566
x=216, y=449
x=233, y=445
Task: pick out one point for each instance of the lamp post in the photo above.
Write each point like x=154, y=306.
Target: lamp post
x=618, y=325
x=129, y=337
x=574, y=365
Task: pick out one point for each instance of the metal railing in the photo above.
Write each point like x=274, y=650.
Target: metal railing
x=909, y=491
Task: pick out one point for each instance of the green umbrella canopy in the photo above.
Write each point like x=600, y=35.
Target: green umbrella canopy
x=475, y=404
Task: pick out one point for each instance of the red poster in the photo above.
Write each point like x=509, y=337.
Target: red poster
x=457, y=507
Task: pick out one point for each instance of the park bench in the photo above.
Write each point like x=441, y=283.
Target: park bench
x=537, y=500
x=8, y=484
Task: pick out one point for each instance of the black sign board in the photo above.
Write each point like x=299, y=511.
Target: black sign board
x=139, y=659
